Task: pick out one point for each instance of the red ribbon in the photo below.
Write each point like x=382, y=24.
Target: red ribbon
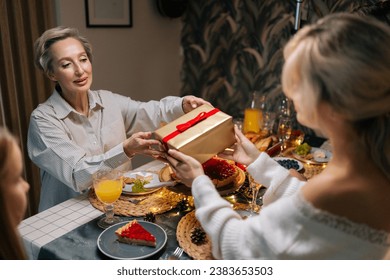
x=180, y=128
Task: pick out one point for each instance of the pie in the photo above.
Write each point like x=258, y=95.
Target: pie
x=225, y=174
x=221, y=172
x=136, y=234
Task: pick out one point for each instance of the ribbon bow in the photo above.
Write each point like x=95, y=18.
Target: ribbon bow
x=184, y=126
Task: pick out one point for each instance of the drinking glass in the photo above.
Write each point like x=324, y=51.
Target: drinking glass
x=284, y=131
x=297, y=137
x=268, y=122
x=252, y=120
x=253, y=117
x=239, y=122
x=285, y=107
x=255, y=187
x=269, y=115
x=108, y=188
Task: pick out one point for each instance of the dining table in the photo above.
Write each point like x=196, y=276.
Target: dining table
x=69, y=230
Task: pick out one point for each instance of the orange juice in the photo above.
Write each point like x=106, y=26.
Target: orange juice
x=253, y=119
x=108, y=191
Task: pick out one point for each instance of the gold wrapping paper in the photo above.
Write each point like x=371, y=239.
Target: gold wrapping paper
x=204, y=139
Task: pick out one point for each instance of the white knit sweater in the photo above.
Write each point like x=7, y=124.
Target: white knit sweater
x=288, y=226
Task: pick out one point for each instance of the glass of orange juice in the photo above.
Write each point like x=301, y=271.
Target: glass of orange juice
x=252, y=120
x=108, y=188
x=253, y=115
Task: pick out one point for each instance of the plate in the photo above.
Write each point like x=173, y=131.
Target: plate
x=127, y=189
x=165, y=176
x=314, y=159
x=109, y=245
x=300, y=165
x=237, y=183
x=183, y=235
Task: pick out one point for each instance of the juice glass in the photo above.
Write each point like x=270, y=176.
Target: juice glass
x=253, y=119
x=108, y=188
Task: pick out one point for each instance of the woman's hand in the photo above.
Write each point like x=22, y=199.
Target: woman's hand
x=141, y=143
x=186, y=168
x=191, y=102
x=245, y=152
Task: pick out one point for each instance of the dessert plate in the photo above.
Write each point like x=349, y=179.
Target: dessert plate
x=154, y=183
x=109, y=245
x=316, y=156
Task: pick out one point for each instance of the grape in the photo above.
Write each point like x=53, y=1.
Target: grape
x=303, y=149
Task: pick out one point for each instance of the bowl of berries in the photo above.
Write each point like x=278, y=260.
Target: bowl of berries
x=289, y=163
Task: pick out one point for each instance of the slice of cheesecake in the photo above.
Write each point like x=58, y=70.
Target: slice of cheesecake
x=136, y=234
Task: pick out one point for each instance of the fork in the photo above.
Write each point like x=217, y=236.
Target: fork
x=176, y=254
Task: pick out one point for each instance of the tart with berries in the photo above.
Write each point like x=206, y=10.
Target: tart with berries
x=226, y=175
x=135, y=234
x=221, y=172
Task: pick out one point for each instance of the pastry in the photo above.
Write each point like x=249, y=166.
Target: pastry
x=225, y=174
x=221, y=172
x=136, y=234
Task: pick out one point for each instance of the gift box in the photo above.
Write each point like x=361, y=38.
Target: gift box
x=201, y=133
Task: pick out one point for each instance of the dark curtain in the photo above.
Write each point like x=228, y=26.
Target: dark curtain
x=234, y=47
x=22, y=87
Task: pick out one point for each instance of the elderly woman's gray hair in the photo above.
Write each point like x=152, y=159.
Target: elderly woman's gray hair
x=42, y=55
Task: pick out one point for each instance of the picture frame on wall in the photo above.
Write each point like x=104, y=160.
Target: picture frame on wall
x=108, y=13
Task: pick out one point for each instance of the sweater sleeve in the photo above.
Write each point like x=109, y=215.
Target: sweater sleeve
x=260, y=236
x=274, y=177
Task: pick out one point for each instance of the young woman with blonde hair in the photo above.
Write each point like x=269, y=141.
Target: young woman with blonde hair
x=337, y=75
x=13, y=198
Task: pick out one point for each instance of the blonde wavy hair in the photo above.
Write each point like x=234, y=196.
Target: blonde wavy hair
x=344, y=60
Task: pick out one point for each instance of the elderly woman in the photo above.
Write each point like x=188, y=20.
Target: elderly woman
x=78, y=131
x=338, y=80
x=13, y=197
